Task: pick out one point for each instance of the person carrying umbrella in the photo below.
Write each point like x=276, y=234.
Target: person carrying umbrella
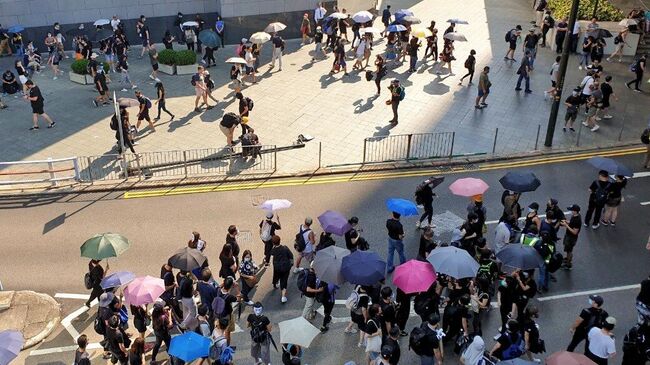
x=395, y=241
x=260, y=331
x=96, y=273
x=424, y=196
x=267, y=231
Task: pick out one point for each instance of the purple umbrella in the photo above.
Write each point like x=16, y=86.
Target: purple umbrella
x=117, y=279
x=11, y=342
x=334, y=222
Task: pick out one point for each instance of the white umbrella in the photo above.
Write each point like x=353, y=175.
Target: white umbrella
x=362, y=17
x=190, y=24
x=100, y=22
x=275, y=204
x=339, y=16
x=298, y=331
x=457, y=21
x=259, y=37
x=275, y=27
x=370, y=30
x=455, y=36
x=327, y=264
x=627, y=22
x=236, y=60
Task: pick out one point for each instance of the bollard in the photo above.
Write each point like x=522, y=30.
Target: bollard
x=494, y=145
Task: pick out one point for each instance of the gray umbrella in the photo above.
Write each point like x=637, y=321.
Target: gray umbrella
x=187, y=259
x=327, y=264
x=518, y=256
x=453, y=262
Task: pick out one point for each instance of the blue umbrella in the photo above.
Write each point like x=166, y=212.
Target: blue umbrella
x=518, y=256
x=16, y=29
x=396, y=28
x=334, y=222
x=209, y=38
x=117, y=279
x=402, y=13
x=520, y=182
x=402, y=206
x=363, y=268
x=11, y=342
x=610, y=165
x=189, y=346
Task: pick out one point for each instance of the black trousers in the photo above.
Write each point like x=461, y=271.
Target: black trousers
x=578, y=336
x=545, y=30
x=327, y=311
x=636, y=81
x=161, y=106
x=559, y=41
x=95, y=293
x=268, y=245
x=160, y=338
x=593, y=209
x=428, y=212
x=394, y=105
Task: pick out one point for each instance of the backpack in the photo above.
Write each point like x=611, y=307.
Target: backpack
x=218, y=349
x=468, y=63
x=509, y=35
x=114, y=126
x=600, y=196
x=419, y=193
x=645, y=136
x=249, y=103
x=421, y=304
x=515, y=349
x=147, y=102
x=88, y=281
x=618, y=39
x=301, y=281
x=300, y=243
x=258, y=333
x=99, y=325
x=551, y=21
x=555, y=262
x=417, y=339
x=218, y=305
x=402, y=93
x=633, y=67
x=352, y=303
x=195, y=79
x=485, y=272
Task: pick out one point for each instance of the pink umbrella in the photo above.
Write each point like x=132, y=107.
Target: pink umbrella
x=414, y=276
x=144, y=290
x=468, y=186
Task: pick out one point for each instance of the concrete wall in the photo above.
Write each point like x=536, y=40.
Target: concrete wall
x=236, y=8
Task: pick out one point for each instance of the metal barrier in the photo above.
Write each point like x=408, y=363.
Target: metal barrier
x=39, y=171
x=408, y=147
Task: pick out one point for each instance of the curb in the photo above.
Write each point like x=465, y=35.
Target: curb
x=136, y=184
x=32, y=300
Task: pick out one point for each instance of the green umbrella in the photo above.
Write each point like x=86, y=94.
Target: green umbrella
x=105, y=245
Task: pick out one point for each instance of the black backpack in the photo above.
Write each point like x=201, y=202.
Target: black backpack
x=600, y=196
x=417, y=339
x=114, y=126
x=300, y=243
x=99, y=325
x=88, y=281
x=301, y=281
x=249, y=103
x=509, y=35
x=645, y=136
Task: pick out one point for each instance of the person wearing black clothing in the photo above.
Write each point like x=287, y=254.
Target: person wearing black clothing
x=244, y=110
x=126, y=130
x=140, y=317
x=561, y=30
x=325, y=241
x=160, y=92
x=614, y=200
x=426, y=303
x=9, y=83
x=470, y=65
x=354, y=223
x=525, y=290
x=312, y=289
x=643, y=302
x=261, y=342
x=426, y=243
x=639, y=69
x=506, y=297
x=97, y=273
x=228, y=263
x=388, y=314
x=186, y=293
x=327, y=299
x=282, y=263
x=380, y=72
x=392, y=341
x=549, y=22
x=168, y=40
x=116, y=341
x=143, y=112
x=395, y=237
x=198, y=30
x=356, y=241
x=530, y=330
x=598, y=192
x=267, y=231
x=37, y=101
x=161, y=319
x=225, y=293
x=403, y=310
x=594, y=316
x=231, y=239
x=432, y=345
x=571, y=234
x=136, y=353
x=385, y=19
x=572, y=103
x=227, y=126
x=508, y=337
x=424, y=196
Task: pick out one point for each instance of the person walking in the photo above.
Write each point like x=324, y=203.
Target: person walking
x=305, y=243
x=380, y=72
x=305, y=29
x=586, y=52
x=37, y=102
x=101, y=85
x=554, y=72
x=278, y=47
x=598, y=193
x=549, y=23
x=602, y=346
x=484, y=85
x=260, y=331
x=312, y=289
x=608, y=93
x=571, y=234
x=123, y=68
x=318, y=43
x=590, y=317
x=228, y=262
x=638, y=68
x=470, y=65
x=385, y=20
x=116, y=341
x=530, y=45
x=200, y=89
x=614, y=199
x=412, y=50
x=282, y=262
x=512, y=38
x=248, y=275
x=424, y=196
x=229, y=292
x=123, y=136
x=524, y=73
x=446, y=57
x=395, y=241
x=96, y=273
x=143, y=112
x=361, y=52
x=160, y=92
x=619, y=43
x=572, y=103
x=153, y=59
x=327, y=299
x=162, y=323
x=396, y=96
x=267, y=231
x=81, y=356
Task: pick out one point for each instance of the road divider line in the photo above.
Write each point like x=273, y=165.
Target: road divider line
x=589, y=292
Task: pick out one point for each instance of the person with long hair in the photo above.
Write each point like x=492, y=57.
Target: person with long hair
x=162, y=323
x=614, y=199
x=446, y=57
x=247, y=273
x=228, y=264
x=160, y=92
x=136, y=353
x=140, y=318
x=381, y=71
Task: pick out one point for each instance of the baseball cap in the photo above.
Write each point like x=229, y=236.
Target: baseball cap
x=534, y=205
x=94, y=55
x=610, y=320
x=553, y=201
x=574, y=208
x=597, y=299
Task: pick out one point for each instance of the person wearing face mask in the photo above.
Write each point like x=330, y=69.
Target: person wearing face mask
x=469, y=232
x=356, y=241
x=572, y=104
x=571, y=234
x=532, y=218
x=502, y=235
x=231, y=239
x=506, y=302
x=354, y=223
x=593, y=316
x=267, y=231
x=260, y=331
x=247, y=271
x=530, y=330
x=429, y=348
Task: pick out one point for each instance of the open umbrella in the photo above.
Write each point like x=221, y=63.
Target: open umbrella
x=209, y=38
x=189, y=346
x=410, y=19
x=127, y=102
x=457, y=21
x=402, y=13
x=402, y=206
x=117, y=279
x=100, y=35
x=187, y=259
x=362, y=17
x=414, y=276
x=144, y=290
x=610, y=165
x=363, y=268
x=520, y=182
x=334, y=222
x=454, y=262
x=393, y=28
x=518, y=256
x=275, y=27
x=568, y=358
x=372, y=30
x=421, y=33
x=101, y=22
x=600, y=33
x=627, y=22
x=236, y=60
x=298, y=331
x=105, y=245
x=327, y=264
x=259, y=38
x=275, y=204
x=15, y=29
x=190, y=24
x=455, y=36
x=339, y=15
x=468, y=186
x=11, y=342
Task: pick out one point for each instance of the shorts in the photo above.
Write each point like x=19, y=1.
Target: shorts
x=307, y=255
x=249, y=70
x=109, y=58
x=592, y=111
x=373, y=355
x=144, y=115
x=571, y=116
x=199, y=91
x=22, y=78
x=140, y=325
x=102, y=92
x=605, y=104
x=481, y=93
x=569, y=243
x=613, y=202
x=37, y=108
x=154, y=67
x=513, y=45
x=145, y=42
x=55, y=62
x=224, y=130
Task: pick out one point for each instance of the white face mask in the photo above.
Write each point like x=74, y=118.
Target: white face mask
x=591, y=302
x=257, y=310
x=247, y=259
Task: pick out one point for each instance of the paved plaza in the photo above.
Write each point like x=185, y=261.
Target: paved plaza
x=339, y=111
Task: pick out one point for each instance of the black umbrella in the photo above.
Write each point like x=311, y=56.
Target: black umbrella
x=434, y=181
x=187, y=259
x=600, y=33
x=100, y=35
x=520, y=182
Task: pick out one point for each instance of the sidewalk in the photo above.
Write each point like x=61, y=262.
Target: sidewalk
x=34, y=314
x=338, y=111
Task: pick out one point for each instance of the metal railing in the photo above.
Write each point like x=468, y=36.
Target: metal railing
x=39, y=171
x=408, y=147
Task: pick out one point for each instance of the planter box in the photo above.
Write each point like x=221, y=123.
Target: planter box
x=186, y=70
x=79, y=79
x=167, y=69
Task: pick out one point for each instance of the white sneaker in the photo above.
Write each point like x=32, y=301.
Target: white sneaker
x=250, y=302
x=296, y=270
x=124, y=90
x=545, y=95
x=585, y=124
x=580, y=67
x=134, y=87
x=283, y=300
x=599, y=118
x=417, y=224
x=607, y=116
x=595, y=128
x=151, y=77
x=54, y=78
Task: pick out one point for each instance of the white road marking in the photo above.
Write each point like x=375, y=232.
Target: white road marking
x=72, y=296
x=641, y=174
x=589, y=292
x=541, y=216
x=645, y=203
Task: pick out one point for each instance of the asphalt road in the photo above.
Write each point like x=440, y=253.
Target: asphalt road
x=42, y=235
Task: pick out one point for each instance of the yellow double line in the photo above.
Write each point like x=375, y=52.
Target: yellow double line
x=366, y=176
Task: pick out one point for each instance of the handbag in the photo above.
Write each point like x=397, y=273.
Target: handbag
x=251, y=282
x=373, y=344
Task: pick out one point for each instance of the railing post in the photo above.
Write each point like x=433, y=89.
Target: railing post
x=320, y=153
x=408, y=146
x=494, y=145
x=50, y=168
x=539, y=127
x=365, y=141
x=75, y=164
x=90, y=171
x=453, y=138
x=275, y=158
x=137, y=163
x=185, y=162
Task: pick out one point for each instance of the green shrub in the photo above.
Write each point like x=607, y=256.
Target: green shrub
x=167, y=57
x=606, y=12
x=184, y=58
x=80, y=67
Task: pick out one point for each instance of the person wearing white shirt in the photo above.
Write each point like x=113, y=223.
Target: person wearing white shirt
x=319, y=13
x=115, y=22
x=602, y=346
x=575, y=36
